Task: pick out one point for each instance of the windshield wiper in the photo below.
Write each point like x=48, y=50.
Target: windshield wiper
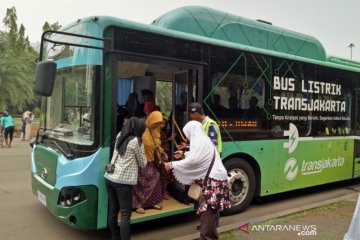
x=39, y=139
x=69, y=156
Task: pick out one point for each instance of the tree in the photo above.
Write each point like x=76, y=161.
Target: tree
x=47, y=26
x=17, y=65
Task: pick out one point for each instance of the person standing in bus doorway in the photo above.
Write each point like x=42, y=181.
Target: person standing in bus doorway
x=8, y=123
x=211, y=128
x=147, y=96
x=165, y=177
x=148, y=193
x=193, y=168
x=127, y=158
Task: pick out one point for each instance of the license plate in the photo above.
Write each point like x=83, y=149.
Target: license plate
x=41, y=197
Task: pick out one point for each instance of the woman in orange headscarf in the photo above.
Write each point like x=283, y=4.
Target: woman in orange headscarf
x=148, y=193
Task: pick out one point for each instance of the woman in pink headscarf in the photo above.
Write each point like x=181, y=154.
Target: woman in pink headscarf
x=150, y=107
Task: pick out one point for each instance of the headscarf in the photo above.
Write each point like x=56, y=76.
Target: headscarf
x=5, y=114
x=197, y=160
x=26, y=114
x=134, y=127
x=149, y=107
x=152, y=134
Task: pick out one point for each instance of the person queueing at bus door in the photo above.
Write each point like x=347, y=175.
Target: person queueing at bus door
x=165, y=176
x=128, y=157
x=148, y=193
x=8, y=123
x=193, y=168
x=211, y=128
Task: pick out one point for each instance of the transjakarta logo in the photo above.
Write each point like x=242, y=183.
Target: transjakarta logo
x=291, y=168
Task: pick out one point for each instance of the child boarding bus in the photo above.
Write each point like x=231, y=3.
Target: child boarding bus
x=288, y=112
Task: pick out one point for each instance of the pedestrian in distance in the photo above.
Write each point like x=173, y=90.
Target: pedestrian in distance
x=8, y=124
x=27, y=118
x=2, y=138
x=127, y=158
x=193, y=168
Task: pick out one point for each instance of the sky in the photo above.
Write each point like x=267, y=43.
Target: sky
x=335, y=23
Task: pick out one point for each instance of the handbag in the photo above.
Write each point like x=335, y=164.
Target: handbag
x=110, y=167
x=195, y=190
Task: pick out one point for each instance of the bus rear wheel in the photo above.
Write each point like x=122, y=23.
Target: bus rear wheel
x=241, y=182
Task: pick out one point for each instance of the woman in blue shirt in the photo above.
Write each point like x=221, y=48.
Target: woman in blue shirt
x=8, y=123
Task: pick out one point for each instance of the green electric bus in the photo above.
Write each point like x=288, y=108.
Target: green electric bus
x=288, y=112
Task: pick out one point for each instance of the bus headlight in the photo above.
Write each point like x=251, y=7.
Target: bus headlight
x=71, y=196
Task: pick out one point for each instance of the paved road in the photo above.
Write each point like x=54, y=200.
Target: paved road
x=23, y=217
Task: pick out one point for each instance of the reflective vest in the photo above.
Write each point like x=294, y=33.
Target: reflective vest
x=206, y=126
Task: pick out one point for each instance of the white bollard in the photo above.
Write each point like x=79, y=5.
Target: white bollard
x=354, y=229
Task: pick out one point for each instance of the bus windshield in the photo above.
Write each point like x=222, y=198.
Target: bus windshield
x=68, y=112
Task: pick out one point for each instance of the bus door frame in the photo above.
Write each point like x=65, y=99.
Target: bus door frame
x=194, y=74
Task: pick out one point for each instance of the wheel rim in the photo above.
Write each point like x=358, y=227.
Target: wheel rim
x=238, y=183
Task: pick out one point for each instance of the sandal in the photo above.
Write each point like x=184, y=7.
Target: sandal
x=140, y=210
x=157, y=207
x=166, y=196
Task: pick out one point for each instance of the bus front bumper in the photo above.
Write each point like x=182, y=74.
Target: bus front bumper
x=80, y=215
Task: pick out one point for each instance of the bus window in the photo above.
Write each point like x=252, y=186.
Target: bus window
x=238, y=93
x=335, y=120
x=288, y=99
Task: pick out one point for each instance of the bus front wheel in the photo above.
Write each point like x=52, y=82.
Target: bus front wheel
x=241, y=182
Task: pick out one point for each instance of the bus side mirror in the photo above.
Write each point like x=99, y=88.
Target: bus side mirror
x=45, y=78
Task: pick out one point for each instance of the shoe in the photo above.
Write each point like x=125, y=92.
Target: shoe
x=157, y=207
x=198, y=227
x=140, y=210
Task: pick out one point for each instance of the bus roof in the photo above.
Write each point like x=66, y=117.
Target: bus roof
x=215, y=24
x=214, y=27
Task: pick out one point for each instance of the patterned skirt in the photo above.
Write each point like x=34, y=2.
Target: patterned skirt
x=215, y=195
x=147, y=192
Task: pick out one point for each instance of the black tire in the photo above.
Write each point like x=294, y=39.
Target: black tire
x=242, y=184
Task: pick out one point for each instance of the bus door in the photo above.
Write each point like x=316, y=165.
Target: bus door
x=357, y=133
x=184, y=90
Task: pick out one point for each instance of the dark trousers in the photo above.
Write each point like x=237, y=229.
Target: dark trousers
x=120, y=199
x=217, y=215
x=23, y=130
x=9, y=131
x=208, y=225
